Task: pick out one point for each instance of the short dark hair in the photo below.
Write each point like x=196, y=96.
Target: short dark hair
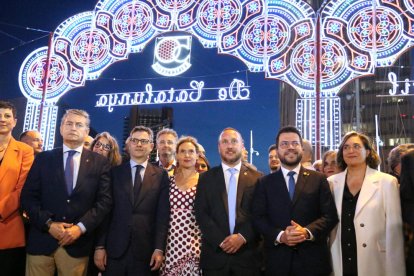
x=288, y=129
x=143, y=129
x=272, y=147
x=9, y=105
x=372, y=158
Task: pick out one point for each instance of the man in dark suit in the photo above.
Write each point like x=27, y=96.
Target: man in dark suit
x=407, y=202
x=294, y=210
x=222, y=208
x=133, y=240
x=66, y=196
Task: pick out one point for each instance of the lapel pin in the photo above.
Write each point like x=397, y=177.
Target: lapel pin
x=245, y=173
x=305, y=173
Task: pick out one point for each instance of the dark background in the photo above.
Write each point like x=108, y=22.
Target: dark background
x=201, y=120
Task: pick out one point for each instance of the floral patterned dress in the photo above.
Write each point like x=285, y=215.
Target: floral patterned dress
x=182, y=255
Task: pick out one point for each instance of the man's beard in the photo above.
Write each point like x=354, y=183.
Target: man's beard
x=233, y=160
x=292, y=163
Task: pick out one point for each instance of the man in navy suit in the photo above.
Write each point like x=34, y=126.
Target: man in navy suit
x=223, y=211
x=66, y=196
x=294, y=210
x=132, y=242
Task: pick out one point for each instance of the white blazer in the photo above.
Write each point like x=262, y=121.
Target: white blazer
x=378, y=225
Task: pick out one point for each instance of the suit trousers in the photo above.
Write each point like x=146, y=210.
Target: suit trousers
x=66, y=265
x=232, y=270
x=126, y=265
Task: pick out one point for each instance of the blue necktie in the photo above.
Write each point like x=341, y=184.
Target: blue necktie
x=137, y=181
x=291, y=184
x=69, y=171
x=231, y=198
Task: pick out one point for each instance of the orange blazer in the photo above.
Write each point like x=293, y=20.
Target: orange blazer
x=14, y=168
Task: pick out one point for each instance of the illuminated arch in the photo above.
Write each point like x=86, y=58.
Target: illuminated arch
x=271, y=36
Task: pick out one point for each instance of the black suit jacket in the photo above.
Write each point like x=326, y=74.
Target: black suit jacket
x=312, y=207
x=44, y=196
x=142, y=224
x=211, y=211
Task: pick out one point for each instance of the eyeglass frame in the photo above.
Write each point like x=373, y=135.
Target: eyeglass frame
x=287, y=144
x=105, y=147
x=137, y=141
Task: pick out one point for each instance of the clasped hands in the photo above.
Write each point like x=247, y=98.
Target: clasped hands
x=294, y=234
x=65, y=233
x=232, y=243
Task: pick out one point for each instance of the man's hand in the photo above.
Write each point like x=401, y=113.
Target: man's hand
x=294, y=234
x=156, y=260
x=70, y=235
x=232, y=243
x=57, y=229
x=99, y=258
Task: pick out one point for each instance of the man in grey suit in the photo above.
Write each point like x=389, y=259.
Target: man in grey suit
x=132, y=241
x=222, y=207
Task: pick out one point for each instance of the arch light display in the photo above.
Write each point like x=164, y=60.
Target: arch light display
x=271, y=36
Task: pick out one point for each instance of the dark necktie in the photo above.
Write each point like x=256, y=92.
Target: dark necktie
x=69, y=171
x=291, y=184
x=231, y=198
x=137, y=181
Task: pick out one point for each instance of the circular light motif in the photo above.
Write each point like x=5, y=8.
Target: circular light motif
x=132, y=21
x=387, y=30
x=90, y=47
x=167, y=51
x=177, y=5
x=219, y=15
x=32, y=74
x=332, y=61
x=260, y=37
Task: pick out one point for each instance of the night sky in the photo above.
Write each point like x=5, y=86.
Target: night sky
x=202, y=120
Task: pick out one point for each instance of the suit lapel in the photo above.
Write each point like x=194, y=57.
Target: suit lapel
x=10, y=154
x=125, y=181
x=221, y=188
x=84, y=168
x=243, y=175
x=338, y=190
x=368, y=189
x=57, y=165
x=147, y=182
x=300, y=184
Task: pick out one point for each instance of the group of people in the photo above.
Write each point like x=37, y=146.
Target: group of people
x=88, y=210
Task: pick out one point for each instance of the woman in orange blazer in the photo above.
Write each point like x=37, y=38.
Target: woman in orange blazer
x=16, y=159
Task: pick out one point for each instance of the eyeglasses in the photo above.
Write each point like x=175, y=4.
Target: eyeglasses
x=356, y=147
x=136, y=141
x=286, y=144
x=106, y=147
x=168, y=142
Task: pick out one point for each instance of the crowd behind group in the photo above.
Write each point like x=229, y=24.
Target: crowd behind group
x=87, y=207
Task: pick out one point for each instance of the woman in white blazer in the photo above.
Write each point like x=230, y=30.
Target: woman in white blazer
x=368, y=240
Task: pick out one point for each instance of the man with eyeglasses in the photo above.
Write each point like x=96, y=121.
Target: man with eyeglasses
x=222, y=208
x=67, y=194
x=166, y=143
x=132, y=241
x=294, y=210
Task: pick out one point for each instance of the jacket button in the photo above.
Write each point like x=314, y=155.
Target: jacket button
x=68, y=201
x=63, y=217
x=364, y=245
x=362, y=225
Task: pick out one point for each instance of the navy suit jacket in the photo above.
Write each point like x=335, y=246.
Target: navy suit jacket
x=44, y=196
x=211, y=209
x=142, y=224
x=312, y=207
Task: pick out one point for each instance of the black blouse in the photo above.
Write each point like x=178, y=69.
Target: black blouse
x=348, y=238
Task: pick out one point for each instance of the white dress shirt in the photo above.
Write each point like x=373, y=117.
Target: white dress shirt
x=134, y=169
x=227, y=173
x=76, y=161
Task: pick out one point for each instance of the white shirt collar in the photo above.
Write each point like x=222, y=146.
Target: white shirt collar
x=133, y=163
x=285, y=171
x=226, y=167
x=78, y=149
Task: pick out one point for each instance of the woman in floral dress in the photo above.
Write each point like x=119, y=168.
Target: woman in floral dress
x=182, y=255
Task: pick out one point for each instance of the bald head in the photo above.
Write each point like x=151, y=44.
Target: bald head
x=34, y=139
